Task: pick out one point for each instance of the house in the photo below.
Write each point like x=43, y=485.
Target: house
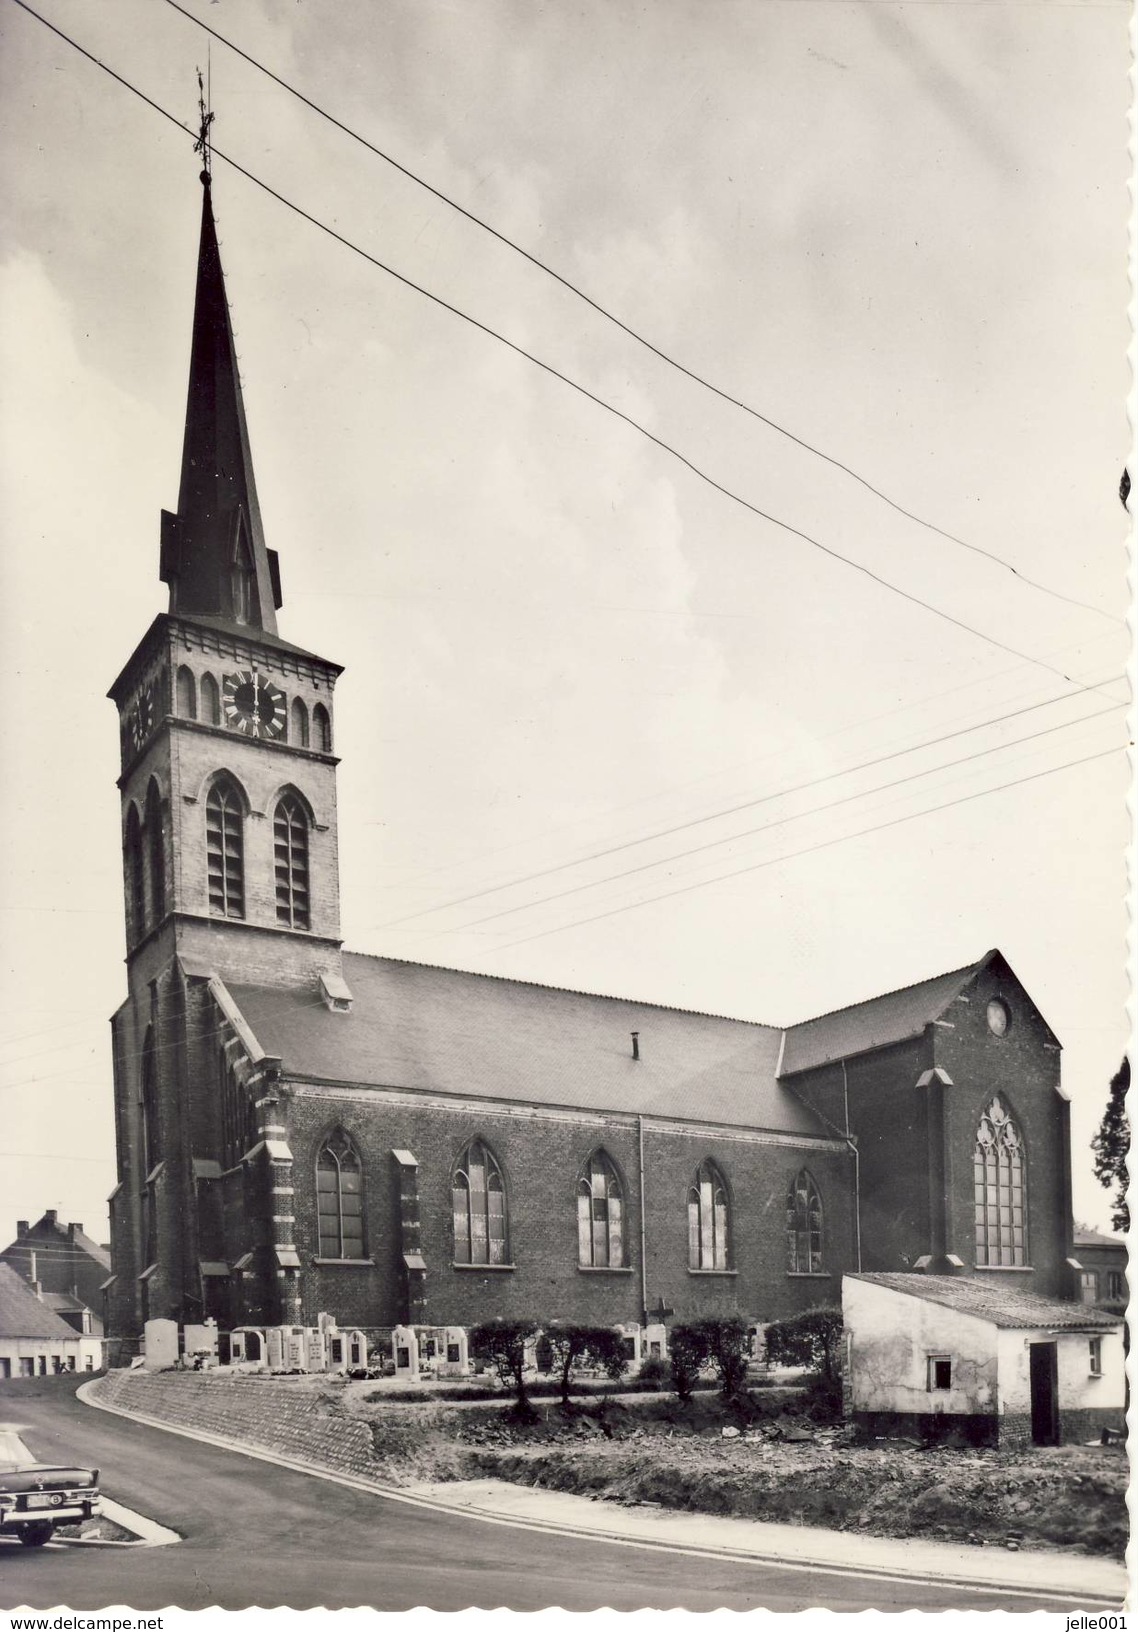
x=34, y=1341
x=303, y=1130
x=932, y=1354
x=1102, y=1268
x=68, y=1266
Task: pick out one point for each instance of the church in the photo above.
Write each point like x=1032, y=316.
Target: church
x=302, y=1129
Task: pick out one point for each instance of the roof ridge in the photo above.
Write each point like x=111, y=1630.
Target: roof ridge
x=895, y=991
x=571, y=991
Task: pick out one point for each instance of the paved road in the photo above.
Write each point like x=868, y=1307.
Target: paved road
x=256, y=1534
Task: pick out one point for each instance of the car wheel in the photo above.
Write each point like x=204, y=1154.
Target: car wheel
x=34, y=1535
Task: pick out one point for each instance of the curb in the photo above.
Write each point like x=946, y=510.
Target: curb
x=147, y=1532
x=768, y=1555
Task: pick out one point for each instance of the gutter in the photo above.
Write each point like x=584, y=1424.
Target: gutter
x=643, y=1226
x=852, y=1143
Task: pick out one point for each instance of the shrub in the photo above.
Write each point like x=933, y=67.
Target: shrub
x=813, y=1338
x=652, y=1371
x=720, y=1341
x=687, y=1349
x=573, y=1346
x=502, y=1345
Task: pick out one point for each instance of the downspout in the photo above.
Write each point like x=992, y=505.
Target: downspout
x=643, y=1227
x=852, y=1142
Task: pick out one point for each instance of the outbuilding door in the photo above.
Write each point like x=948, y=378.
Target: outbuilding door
x=1045, y=1393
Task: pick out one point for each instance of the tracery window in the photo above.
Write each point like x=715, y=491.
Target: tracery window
x=999, y=1173
x=225, y=850
x=478, y=1191
x=155, y=855
x=803, y=1226
x=709, y=1245
x=340, y=1199
x=290, y=852
x=600, y=1214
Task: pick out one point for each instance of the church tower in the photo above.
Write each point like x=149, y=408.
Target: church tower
x=230, y=868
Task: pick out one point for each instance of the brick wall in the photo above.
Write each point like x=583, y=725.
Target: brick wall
x=541, y=1156
x=295, y=1422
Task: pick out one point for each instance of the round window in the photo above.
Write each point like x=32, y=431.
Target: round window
x=999, y=1017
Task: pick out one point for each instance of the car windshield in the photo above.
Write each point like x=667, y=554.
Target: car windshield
x=13, y=1452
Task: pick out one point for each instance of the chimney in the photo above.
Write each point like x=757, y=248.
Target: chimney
x=21, y=1226
x=73, y=1230
x=635, y=1045
x=51, y=1215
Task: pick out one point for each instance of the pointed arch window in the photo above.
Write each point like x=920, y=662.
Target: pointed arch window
x=803, y=1226
x=298, y=722
x=186, y=694
x=709, y=1221
x=340, y=1199
x=155, y=854
x=136, y=875
x=225, y=850
x=241, y=574
x=322, y=729
x=600, y=1214
x=478, y=1191
x=290, y=851
x=210, y=700
x=999, y=1174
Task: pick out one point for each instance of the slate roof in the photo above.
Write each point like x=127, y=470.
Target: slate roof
x=1095, y=1238
x=890, y=1018
x=23, y=1315
x=59, y=1301
x=992, y=1300
x=451, y=1032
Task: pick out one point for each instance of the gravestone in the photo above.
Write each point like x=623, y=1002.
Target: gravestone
x=274, y=1348
x=655, y=1341
x=160, y=1344
x=315, y=1352
x=357, y=1349
x=454, y=1358
x=200, y=1343
x=405, y=1353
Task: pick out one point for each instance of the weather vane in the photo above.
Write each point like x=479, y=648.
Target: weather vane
x=202, y=144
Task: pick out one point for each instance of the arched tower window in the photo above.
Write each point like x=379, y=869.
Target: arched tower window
x=298, y=722
x=478, y=1189
x=709, y=1244
x=155, y=854
x=803, y=1226
x=600, y=1214
x=322, y=728
x=211, y=700
x=241, y=575
x=225, y=850
x=290, y=852
x=999, y=1174
x=149, y=1106
x=340, y=1199
x=186, y=694
x=135, y=876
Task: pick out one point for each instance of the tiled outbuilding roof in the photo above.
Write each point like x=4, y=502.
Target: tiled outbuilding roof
x=21, y=1312
x=991, y=1299
x=451, y=1032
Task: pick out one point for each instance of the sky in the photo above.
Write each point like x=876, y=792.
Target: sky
x=896, y=231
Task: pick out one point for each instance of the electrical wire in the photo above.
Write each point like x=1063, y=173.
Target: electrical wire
x=548, y=368
x=626, y=328
x=825, y=844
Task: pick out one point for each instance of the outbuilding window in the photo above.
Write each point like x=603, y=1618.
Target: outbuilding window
x=940, y=1372
x=1095, y=1346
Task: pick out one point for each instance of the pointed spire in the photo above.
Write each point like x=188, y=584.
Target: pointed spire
x=213, y=551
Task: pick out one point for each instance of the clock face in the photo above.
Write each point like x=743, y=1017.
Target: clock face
x=253, y=705
x=140, y=721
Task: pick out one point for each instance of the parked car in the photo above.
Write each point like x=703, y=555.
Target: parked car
x=37, y=1497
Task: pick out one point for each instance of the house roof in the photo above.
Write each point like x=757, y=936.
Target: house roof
x=994, y=1301
x=23, y=1315
x=60, y=1301
x=1095, y=1238
x=451, y=1032
x=50, y=1225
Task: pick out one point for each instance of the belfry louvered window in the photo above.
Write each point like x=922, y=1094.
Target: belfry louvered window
x=155, y=854
x=225, y=851
x=803, y=1226
x=290, y=852
x=340, y=1199
x=600, y=1214
x=136, y=875
x=299, y=723
x=999, y=1173
x=709, y=1245
x=478, y=1191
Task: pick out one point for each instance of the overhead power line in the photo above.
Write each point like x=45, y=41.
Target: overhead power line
x=634, y=334
x=548, y=368
x=747, y=804
x=824, y=844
